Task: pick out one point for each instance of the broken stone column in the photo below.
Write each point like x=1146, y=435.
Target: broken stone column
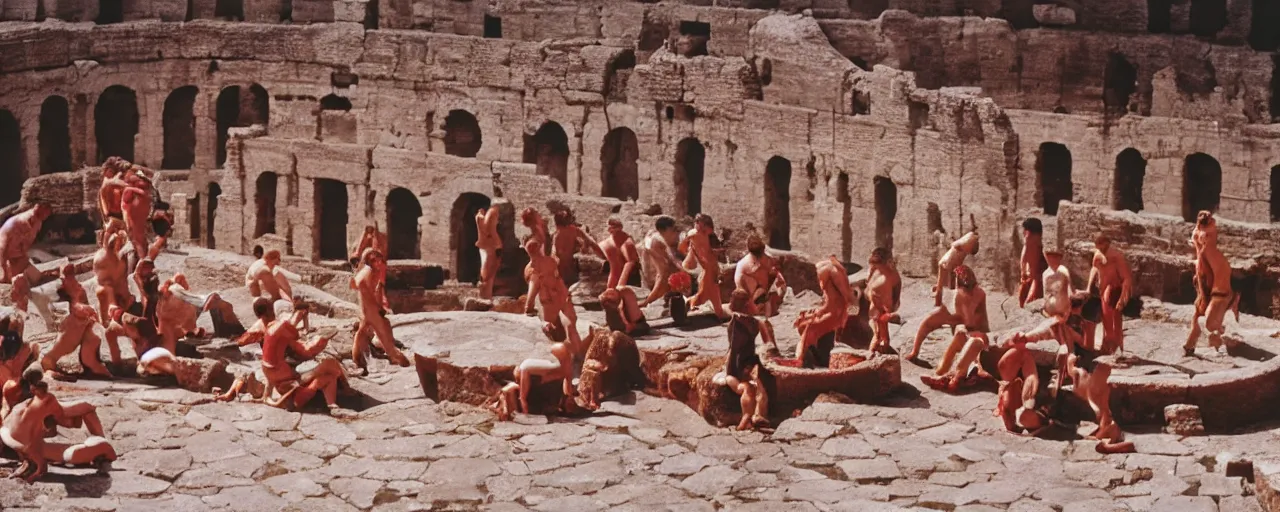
x=1183, y=420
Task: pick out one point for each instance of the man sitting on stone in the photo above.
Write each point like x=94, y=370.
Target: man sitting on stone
x=531, y=373
x=820, y=327
x=567, y=240
x=266, y=278
x=968, y=321
x=742, y=366
x=758, y=274
x=177, y=310
x=156, y=355
x=622, y=311
x=298, y=389
x=17, y=235
x=25, y=427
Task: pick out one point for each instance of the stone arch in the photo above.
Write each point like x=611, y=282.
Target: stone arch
x=211, y=214
x=462, y=135
x=110, y=11
x=1131, y=172
x=548, y=149
x=264, y=200
x=180, y=129
x=116, y=122
x=619, y=165
x=230, y=10
x=330, y=231
x=55, y=135
x=1275, y=194
x=462, y=220
x=690, y=167
x=1201, y=185
x=1208, y=17
x=403, y=212
x=12, y=169
x=1119, y=83
x=1053, y=176
x=255, y=107
x=777, y=203
x=886, y=204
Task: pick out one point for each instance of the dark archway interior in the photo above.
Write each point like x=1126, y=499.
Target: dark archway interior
x=215, y=190
x=462, y=134
x=1119, y=83
x=463, y=222
x=110, y=11
x=55, y=135
x=690, y=166
x=1275, y=194
x=1208, y=17
x=335, y=102
x=403, y=212
x=180, y=129
x=492, y=27
x=11, y=160
x=1131, y=173
x=193, y=218
x=845, y=199
x=1275, y=88
x=230, y=10
x=548, y=149
x=1159, y=16
x=116, y=123
x=1053, y=172
x=1201, y=185
x=264, y=199
x=886, y=203
x=331, y=219
x=228, y=114
x=255, y=107
x=619, y=171
x=777, y=203
x=1264, y=26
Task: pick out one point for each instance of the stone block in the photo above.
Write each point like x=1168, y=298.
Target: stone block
x=1183, y=420
x=1054, y=15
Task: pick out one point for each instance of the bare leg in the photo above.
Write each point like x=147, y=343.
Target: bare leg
x=382, y=327
x=73, y=332
x=932, y=322
x=106, y=298
x=969, y=355
x=943, y=280
x=361, y=345
x=1214, y=317
x=488, y=270
x=660, y=289
x=953, y=349
x=748, y=403
x=526, y=382
x=531, y=296
x=89, y=358
x=82, y=412
x=571, y=327
x=630, y=306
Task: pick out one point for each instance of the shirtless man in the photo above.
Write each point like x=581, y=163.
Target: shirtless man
x=76, y=332
x=109, y=195
x=177, y=310
x=299, y=389
x=742, y=365
x=620, y=251
x=537, y=225
x=113, y=285
x=699, y=253
x=553, y=295
x=24, y=429
x=622, y=311
x=534, y=372
x=372, y=238
x=373, y=317
x=1214, y=295
x=65, y=288
x=884, y=292
x=566, y=242
x=1090, y=378
x=265, y=278
x=758, y=274
x=968, y=321
x=953, y=259
x=16, y=238
x=490, y=245
x=1115, y=283
x=1030, y=286
x=828, y=318
x=1019, y=381
x=659, y=257
x=136, y=203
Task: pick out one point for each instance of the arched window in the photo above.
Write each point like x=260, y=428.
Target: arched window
x=180, y=129
x=335, y=102
x=462, y=134
x=619, y=165
x=403, y=212
x=777, y=203
x=1053, y=170
x=116, y=122
x=886, y=203
x=548, y=148
x=264, y=200
x=1131, y=172
x=334, y=123
x=12, y=172
x=690, y=160
x=331, y=219
x=55, y=135
x=228, y=116
x=1119, y=83
x=1201, y=185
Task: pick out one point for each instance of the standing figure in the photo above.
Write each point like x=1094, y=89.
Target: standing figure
x=531, y=373
x=136, y=203
x=884, y=293
x=620, y=251
x=490, y=245
x=537, y=225
x=1115, y=283
x=953, y=259
x=113, y=283
x=1214, y=295
x=819, y=327
x=742, y=366
x=967, y=318
x=1032, y=264
x=660, y=259
x=553, y=295
x=110, y=204
x=373, y=317
x=566, y=242
x=371, y=239
x=758, y=274
x=697, y=246
x=17, y=235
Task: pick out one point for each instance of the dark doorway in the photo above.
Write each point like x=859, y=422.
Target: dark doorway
x=1201, y=185
x=1275, y=88
x=619, y=159
x=403, y=212
x=845, y=200
x=462, y=219
x=886, y=199
x=335, y=102
x=1131, y=172
x=1208, y=17
x=215, y=190
x=255, y=107
x=331, y=219
x=777, y=203
x=548, y=149
x=12, y=171
x=1264, y=26
x=690, y=161
x=264, y=200
x=180, y=129
x=462, y=134
x=115, y=123
x=1119, y=82
x=230, y=10
x=1275, y=194
x=1159, y=16
x=193, y=221
x=492, y=27
x=55, y=135
x=1053, y=172
x=228, y=115
x=110, y=11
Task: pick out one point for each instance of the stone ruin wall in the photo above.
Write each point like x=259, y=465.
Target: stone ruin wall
x=771, y=86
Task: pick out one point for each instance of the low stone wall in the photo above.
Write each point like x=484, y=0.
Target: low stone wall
x=1226, y=399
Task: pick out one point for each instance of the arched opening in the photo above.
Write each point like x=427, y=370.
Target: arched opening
x=886, y=199
x=334, y=122
x=193, y=218
x=1275, y=88
x=403, y=212
x=228, y=115
x=55, y=135
x=462, y=220
x=116, y=122
x=462, y=134
x=1208, y=17
x=180, y=129
x=1053, y=173
x=215, y=190
x=690, y=160
x=777, y=203
x=1119, y=82
x=1131, y=172
x=1275, y=194
x=1201, y=185
x=230, y=10
x=1159, y=16
x=548, y=149
x=264, y=200
x=330, y=230
x=335, y=102
x=1264, y=26
x=11, y=165
x=619, y=170
x=255, y=107
x=110, y=11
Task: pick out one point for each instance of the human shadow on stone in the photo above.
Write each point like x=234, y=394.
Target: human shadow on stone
x=1250, y=352
x=93, y=485
x=905, y=397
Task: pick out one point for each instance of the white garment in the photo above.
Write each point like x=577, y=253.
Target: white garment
x=1057, y=284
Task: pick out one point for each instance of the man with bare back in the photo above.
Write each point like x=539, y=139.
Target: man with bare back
x=660, y=260
x=265, y=278
x=699, y=253
x=568, y=238
x=371, y=238
x=758, y=274
x=537, y=225
x=297, y=390
x=1033, y=264
x=490, y=245
x=553, y=295
x=136, y=203
x=884, y=293
x=967, y=318
x=178, y=308
x=622, y=311
x=1115, y=283
x=531, y=373
x=828, y=318
x=373, y=317
x=24, y=429
x=954, y=258
x=17, y=235
x=620, y=251
x=75, y=334
x=1214, y=295
x=66, y=287
x=113, y=284
x=111, y=192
